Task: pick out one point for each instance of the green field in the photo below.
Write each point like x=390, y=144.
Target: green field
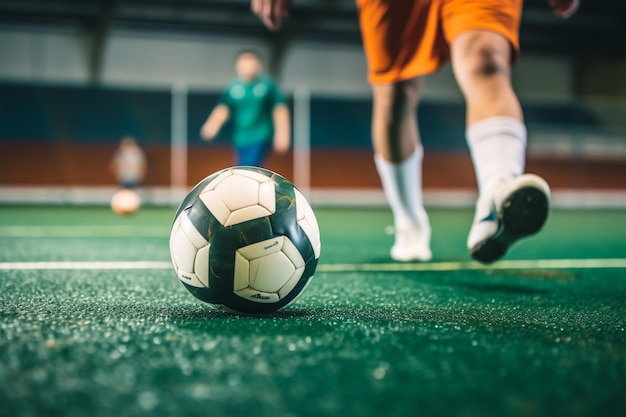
x=84, y=332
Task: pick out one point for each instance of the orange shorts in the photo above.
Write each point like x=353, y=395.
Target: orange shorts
x=404, y=39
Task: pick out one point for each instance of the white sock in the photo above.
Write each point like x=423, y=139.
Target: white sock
x=402, y=183
x=498, y=149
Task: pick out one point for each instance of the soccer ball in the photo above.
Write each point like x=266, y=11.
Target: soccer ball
x=125, y=202
x=245, y=240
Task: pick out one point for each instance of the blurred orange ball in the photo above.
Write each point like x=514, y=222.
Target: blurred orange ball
x=125, y=202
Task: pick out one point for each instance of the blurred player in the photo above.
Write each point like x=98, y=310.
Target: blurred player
x=129, y=163
x=405, y=40
x=259, y=112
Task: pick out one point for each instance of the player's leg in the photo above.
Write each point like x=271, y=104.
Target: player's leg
x=398, y=155
x=402, y=41
x=510, y=205
x=496, y=132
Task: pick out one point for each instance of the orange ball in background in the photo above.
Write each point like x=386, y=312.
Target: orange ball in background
x=125, y=202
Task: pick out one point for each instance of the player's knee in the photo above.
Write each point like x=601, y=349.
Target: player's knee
x=487, y=56
x=399, y=95
x=488, y=62
x=408, y=92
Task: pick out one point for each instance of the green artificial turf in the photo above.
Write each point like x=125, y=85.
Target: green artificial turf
x=461, y=342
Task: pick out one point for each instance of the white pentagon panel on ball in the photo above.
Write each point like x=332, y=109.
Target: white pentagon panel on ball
x=216, y=206
x=190, y=279
x=238, y=191
x=245, y=214
x=308, y=222
x=247, y=265
x=258, y=296
x=173, y=232
x=182, y=250
x=268, y=266
x=241, y=272
x=290, y=286
x=217, y=181
x=263, y=248
x=201, y=265
x=191, y=232
x=267, y=196
x=291, y=283
x=271, y=272
x=260, y=178
x=175, y=226
x=290, y=250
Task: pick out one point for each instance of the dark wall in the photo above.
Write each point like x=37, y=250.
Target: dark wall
x=96, y=115
x=66, y=135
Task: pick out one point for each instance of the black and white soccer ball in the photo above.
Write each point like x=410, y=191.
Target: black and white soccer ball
x=245, y=240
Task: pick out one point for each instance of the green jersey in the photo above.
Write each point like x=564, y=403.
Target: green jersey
x=251, y=105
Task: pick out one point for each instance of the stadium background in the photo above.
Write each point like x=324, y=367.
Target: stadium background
x=77, y=76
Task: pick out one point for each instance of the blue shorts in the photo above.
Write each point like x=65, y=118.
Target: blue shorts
x=129, y=184
x=253, y=155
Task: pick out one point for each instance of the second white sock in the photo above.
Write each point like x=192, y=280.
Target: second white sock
x=498, y=149
x=402, y=183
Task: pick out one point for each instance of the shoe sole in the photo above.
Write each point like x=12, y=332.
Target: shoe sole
x=523, y=214
x=411, y=258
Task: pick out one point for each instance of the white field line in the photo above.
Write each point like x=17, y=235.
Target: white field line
x=470, y=265
x=84, y=231
x=365, y=267
x=113, y=265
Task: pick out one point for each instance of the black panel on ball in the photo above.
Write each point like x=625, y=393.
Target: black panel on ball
x=202, y=219
x=285, y=220
x=224, y=244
